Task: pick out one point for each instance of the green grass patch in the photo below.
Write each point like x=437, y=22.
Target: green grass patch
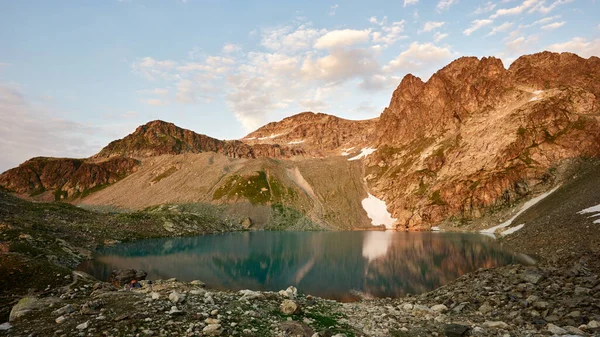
x=255, y=188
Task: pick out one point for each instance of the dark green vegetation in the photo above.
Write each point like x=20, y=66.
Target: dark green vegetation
x=39, y=241
x=258, y=189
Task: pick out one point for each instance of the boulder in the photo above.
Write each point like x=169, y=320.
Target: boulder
x=123, y=277
x=289, y=307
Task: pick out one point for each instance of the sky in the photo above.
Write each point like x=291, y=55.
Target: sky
x=75, y=75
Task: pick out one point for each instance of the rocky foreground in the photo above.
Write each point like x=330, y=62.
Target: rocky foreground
x=507, y=301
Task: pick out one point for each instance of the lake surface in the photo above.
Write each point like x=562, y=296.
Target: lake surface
x=336, y=265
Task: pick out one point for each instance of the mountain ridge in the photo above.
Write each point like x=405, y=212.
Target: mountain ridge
x=474, y=138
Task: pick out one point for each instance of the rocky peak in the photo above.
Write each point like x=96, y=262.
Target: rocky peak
x=158, y=138
x=317, y=134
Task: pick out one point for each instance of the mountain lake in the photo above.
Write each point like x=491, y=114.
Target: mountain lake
x=344, y=266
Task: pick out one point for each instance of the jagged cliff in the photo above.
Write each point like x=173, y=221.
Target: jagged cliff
x=477, y=136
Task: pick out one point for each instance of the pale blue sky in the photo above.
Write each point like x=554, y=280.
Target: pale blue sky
x=76, y=74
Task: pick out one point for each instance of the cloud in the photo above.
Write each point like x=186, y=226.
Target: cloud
x=432, y=25
x=579, y=46
x=545, y=10
x=152, y=68
x=340, y=65
x=333, y=9
x=546, y=20
x=379, y=82
x=437, y=37
x=290, y=40
x=485, y=8
x=516, y=10
x=554, y=25
x=342, y=38
x=154, y=101
x=445, y=4
x=410, y=2
x=389, y=33
x=231, y=48
x=28, y=129
x=521, y=45
x=314, y=105
x=475, y=25
x=417, y=56
x=501, y=28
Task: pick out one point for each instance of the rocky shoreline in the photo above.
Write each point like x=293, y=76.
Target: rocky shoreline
x=507, y=301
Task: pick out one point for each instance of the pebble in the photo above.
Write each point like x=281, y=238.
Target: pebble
x=83, y=325
x=288, y=307
x=60, y=319
x=556, y=329
x=495, y=324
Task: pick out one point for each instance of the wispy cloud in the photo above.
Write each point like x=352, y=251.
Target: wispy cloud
x=475, y=25
x=432, y=25
x=410, y=2
x=333, y=9
x=553, y=25
x=445, y=4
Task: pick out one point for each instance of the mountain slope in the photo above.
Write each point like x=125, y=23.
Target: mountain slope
x=477, y=137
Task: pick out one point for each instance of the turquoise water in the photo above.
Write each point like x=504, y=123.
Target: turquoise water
x=336, y=265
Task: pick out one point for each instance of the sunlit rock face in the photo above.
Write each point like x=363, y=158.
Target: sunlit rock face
x=477, y=136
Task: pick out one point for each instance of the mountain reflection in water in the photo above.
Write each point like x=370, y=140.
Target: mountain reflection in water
x=336, y=265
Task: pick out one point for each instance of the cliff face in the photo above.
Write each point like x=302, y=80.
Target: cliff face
x=317, y=134
x=65, y=177
x=478, y=136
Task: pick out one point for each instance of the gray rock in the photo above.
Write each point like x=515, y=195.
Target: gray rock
x=83, y=325
x=555, y=329
x=67, y=309
x=439, y=308
x=249, y=294
x=582, y=291
x=123, y=277
x=60, y=319
x=176, y=297
x=212, y=330
x=593, y=324
x=456, y=330
x=175, y=311
x=288, y=307
x=486, y=308
x=198, y=283
x=5, y=326
x=495, y=324
x=541, y=305
x=532, y=276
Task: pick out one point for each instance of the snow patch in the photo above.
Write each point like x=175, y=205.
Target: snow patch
x=249, y=138
x=512, y=230
x=593, y=209
x=345, y=152
x=296, y=142
x=525, y=207
x=363, y=153
x=376, y=245
x=536, y=97
x=377, y=211
x=435, y=229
